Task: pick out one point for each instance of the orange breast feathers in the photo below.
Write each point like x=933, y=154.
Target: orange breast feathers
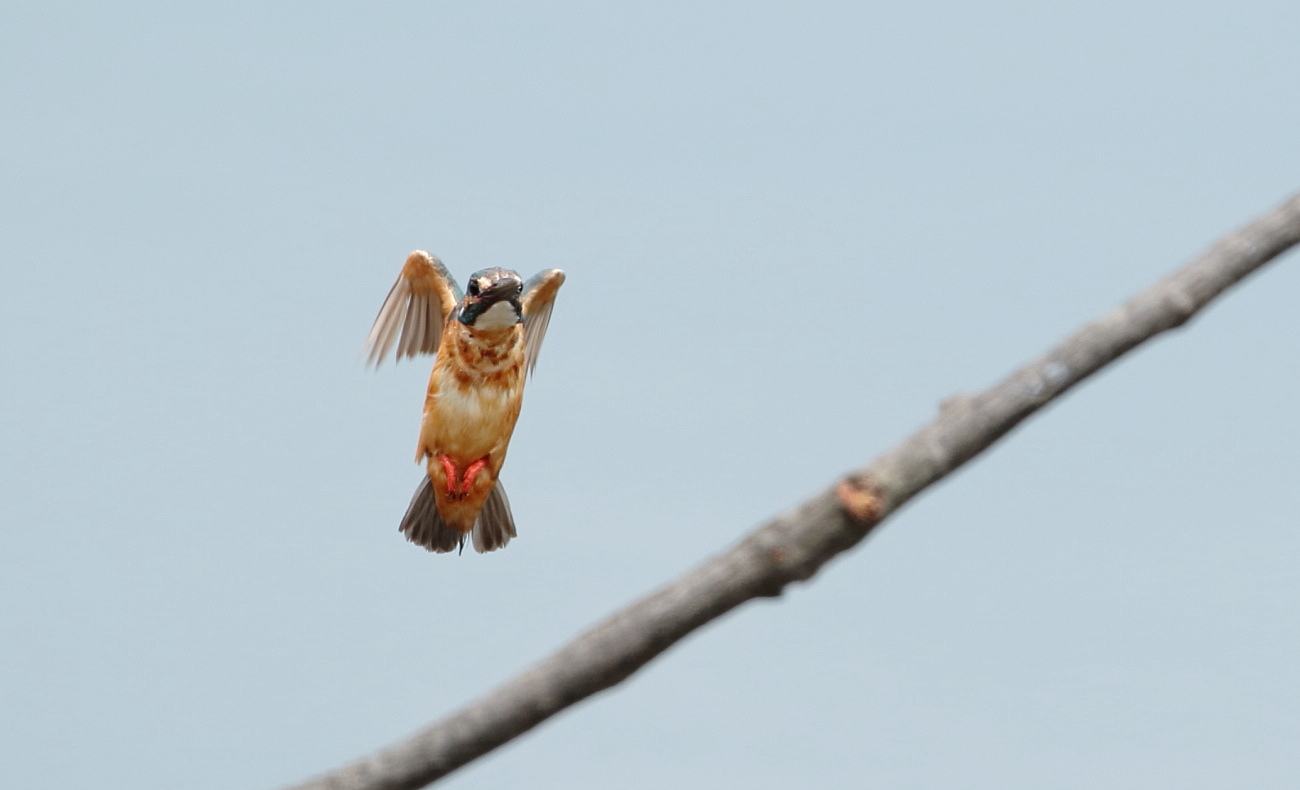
x=475, y=393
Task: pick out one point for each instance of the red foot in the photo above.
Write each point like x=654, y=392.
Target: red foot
x=458, y=486
x=471, y=472
x=449, y=466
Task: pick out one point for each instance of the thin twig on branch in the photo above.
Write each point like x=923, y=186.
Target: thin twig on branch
x=793, y=546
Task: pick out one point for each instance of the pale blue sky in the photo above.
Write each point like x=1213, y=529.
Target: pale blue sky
x=790, y=230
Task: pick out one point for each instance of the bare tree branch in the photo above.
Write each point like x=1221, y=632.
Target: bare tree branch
x=793, y=546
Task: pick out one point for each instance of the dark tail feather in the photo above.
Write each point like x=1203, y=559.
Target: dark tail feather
x=495, y=526
x=424, y=527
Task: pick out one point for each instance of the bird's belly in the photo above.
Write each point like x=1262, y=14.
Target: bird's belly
x=468, y=423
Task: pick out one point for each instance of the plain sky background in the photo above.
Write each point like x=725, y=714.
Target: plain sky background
x=790, y=230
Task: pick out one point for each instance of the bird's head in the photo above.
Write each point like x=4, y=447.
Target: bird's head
x=492, y=299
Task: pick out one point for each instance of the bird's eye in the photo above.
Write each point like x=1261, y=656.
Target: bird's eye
x=472, y=288
x=519, y=288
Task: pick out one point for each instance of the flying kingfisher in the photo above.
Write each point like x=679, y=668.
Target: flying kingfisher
x=485, y=340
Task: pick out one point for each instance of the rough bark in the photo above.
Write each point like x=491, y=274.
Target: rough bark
x=793, y=546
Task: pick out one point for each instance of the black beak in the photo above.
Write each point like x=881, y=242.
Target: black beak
x=501, y=289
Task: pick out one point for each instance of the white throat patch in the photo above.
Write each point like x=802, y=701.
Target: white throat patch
x=498, y=316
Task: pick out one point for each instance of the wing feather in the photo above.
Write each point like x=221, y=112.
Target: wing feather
x=414, y=312
x=537, y=301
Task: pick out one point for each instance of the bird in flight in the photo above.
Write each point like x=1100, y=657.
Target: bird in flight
x=486, y=341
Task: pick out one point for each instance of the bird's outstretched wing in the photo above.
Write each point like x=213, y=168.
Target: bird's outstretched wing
x=537, y=300
x=416, y=309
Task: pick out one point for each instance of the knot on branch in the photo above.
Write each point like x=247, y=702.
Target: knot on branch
x=956, y=404
x=1180, y=305
x=861, y=499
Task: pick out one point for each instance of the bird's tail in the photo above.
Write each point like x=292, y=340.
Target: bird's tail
x=495, y=525
x=423, y=525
